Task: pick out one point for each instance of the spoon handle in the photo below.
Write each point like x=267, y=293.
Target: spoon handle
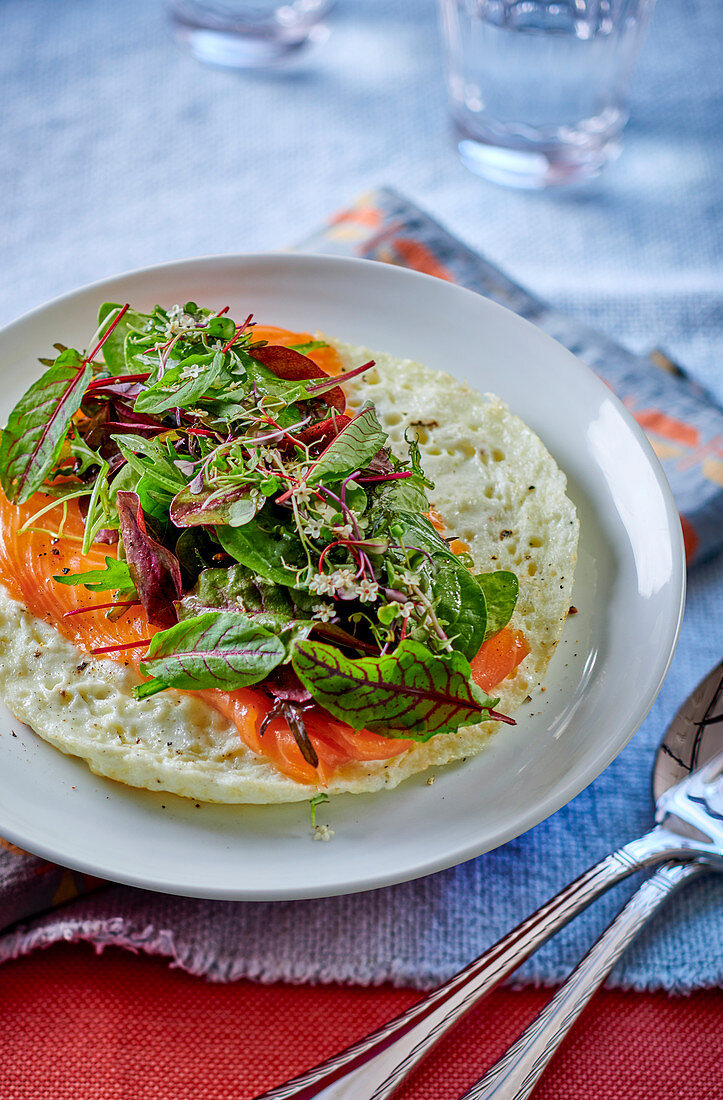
x=517, y=1072
x=372, y=1067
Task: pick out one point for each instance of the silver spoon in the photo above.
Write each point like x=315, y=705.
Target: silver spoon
x=373, y=1067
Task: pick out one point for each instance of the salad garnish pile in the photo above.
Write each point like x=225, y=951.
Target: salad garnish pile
x=271, y=535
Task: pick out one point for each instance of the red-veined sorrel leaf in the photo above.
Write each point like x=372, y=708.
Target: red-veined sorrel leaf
x=154, y=569
x=407, y=693
x=355, y=445
x=294, y=367
x=39, y=423
x=218, y=649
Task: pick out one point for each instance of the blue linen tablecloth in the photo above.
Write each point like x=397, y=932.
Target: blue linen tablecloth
x=120, y=150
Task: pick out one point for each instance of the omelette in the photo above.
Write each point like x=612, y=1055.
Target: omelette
x=245, y=565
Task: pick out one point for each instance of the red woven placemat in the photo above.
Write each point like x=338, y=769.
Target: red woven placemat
x=124, y=1027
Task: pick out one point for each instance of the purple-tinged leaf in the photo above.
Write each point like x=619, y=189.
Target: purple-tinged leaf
x=293, y=715
x=233, y=507
x=343, y=638
x=398, y=475
x=284, y=684
x=154, y=569
x=216, y=650
x=293, y=367
x=322, y=433
x=407, y=693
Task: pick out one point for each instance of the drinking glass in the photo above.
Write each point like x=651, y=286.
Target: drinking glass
x=538, y=88
x=248, y=34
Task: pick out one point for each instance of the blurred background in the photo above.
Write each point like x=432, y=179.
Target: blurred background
x=120, y=149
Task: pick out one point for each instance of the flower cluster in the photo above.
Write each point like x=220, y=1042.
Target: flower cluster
x=179, y=321
x=343, y=584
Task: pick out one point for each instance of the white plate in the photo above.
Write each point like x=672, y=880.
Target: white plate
x=629, y=590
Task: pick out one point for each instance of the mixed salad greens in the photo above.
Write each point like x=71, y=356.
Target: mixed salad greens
x=274, y=538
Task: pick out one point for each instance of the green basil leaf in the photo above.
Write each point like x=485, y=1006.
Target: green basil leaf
x=214, y=650
x=500, y=589
x=38, y=425
x=407, y=693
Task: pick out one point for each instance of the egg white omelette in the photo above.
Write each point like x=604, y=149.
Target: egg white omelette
x=497, y=490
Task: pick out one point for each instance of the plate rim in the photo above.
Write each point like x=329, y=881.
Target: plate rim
x=561, y=793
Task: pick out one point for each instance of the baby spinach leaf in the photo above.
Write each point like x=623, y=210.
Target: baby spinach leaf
x=149, y=458
x=460, y=604
x=38, y=425
x=194, y=550
x=419, y=532
x=407, y=693
x=460, y=600
x=115, y=577
x=155, y=501
x=310, y=345
x=238, y=589
x=114, y=346
x=263, y=550
x=174, y=391
x=403, y=495
x=500, y=591
x=218, y=649
x=353, y=448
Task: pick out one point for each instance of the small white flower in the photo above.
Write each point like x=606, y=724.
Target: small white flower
x=322, y=584
x=313, y=529
x=368, y=591
x=407, y=609
x=324, y=612
x=326, y=512
x=344, y=532
x=178, y=321
x=345, y=584
x=302, y=494
x=193, y=371
x=408, y=577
